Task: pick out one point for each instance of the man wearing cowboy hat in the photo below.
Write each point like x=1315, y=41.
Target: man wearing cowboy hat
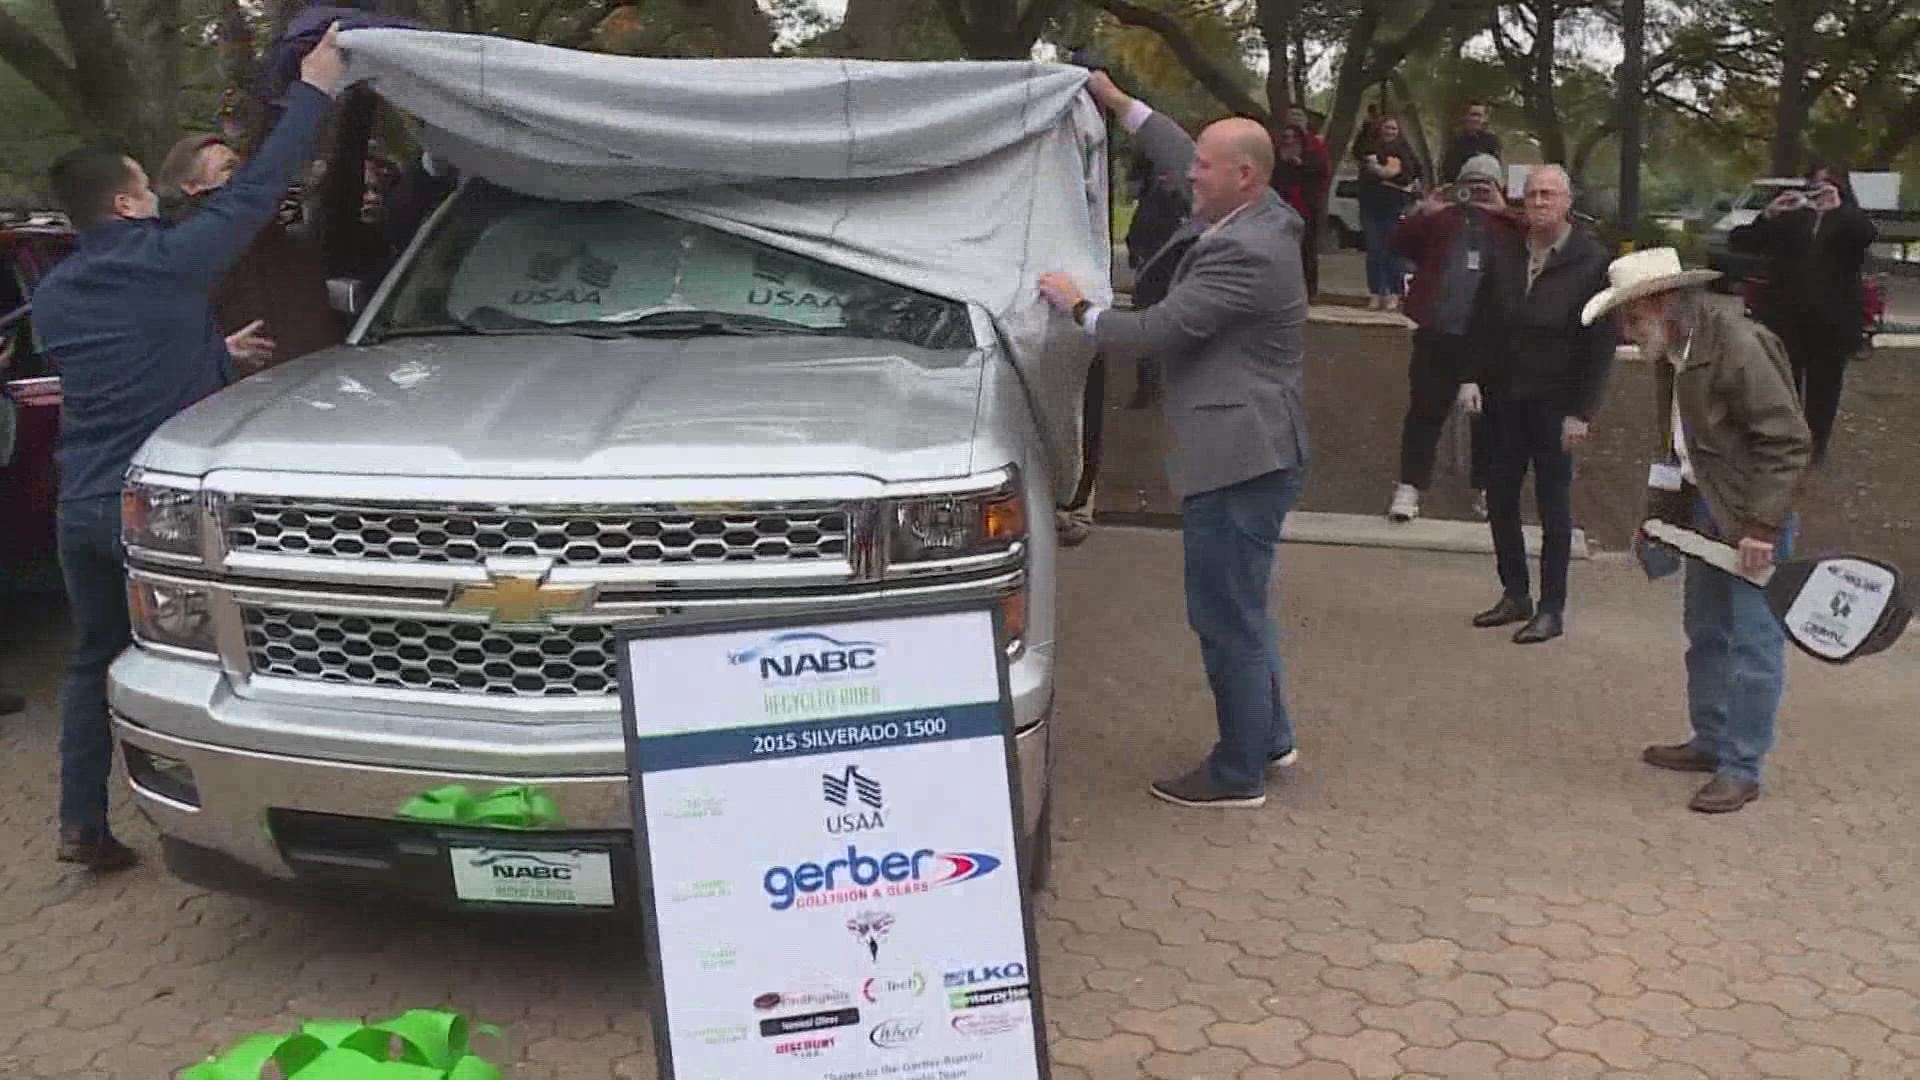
x=1735, y=448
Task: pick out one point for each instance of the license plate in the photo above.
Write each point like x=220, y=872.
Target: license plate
x=519, y=876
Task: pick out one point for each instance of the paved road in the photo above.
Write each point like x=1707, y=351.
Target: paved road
x=1469, y=875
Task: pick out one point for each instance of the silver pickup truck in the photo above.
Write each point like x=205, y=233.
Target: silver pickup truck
x=396, y=566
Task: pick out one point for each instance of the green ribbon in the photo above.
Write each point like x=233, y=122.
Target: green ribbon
x=432, y=1045
x=520, y=806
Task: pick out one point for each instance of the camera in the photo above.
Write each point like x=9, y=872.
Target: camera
x=1461, y=193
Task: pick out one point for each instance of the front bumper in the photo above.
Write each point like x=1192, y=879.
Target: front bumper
x=306, y=816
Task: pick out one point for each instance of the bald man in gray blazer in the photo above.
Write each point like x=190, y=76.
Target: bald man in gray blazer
x=1230, y=337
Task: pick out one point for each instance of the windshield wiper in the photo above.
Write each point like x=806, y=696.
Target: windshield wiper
x=719, y=322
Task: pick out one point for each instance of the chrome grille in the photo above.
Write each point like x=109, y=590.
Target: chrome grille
x=417, y=654
x=571, y=536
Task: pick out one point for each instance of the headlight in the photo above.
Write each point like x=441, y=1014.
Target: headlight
x=933, y=527
x=165, y=613
x=161, y=517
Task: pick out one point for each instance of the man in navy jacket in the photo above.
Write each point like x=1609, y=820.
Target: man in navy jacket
x=128, y=318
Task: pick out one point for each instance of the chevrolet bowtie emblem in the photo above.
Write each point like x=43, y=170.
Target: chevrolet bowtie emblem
x=520, y=599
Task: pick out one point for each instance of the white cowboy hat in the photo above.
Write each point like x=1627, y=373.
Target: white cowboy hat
x=1642, y=273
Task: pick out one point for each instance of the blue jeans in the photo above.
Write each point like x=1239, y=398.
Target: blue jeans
x=1736, y=665
x=1229, y=536
x=92, y=562
x=1386, y=275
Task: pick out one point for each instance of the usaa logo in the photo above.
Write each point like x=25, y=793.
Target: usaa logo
x=805, y=652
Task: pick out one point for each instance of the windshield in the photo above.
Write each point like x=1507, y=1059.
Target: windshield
x=1757, y=196
x=501, y=262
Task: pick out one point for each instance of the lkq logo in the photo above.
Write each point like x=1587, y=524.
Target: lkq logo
x=1014, y=971
x=986, y=987
x=800, y=653
x=870, y=928
x=856, y=799
x=858, y=877
x=894, y=1034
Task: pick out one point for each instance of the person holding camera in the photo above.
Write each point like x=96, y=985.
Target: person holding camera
x=1453, y=239
x=1538, y=391
x=1815, y=239
x=1388, y=172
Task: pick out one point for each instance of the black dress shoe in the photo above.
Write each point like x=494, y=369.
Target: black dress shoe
x=1542, y=627
x=1510, y=609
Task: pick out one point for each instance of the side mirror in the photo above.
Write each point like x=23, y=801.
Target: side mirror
x=1722, y=206
x=347, y=296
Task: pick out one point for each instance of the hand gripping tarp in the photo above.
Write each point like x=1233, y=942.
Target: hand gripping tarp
x=965, y=180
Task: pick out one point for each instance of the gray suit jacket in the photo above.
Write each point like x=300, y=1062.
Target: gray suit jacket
x=1230, y=336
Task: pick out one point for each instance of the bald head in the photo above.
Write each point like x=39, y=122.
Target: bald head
x=1232, y=164
x=1243, y=142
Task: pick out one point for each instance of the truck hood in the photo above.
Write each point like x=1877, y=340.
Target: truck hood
x=558, y=406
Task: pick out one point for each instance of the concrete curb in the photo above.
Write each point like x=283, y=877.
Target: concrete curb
x=1369, y=531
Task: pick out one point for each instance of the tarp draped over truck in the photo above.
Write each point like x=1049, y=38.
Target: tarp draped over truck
x=965, y=180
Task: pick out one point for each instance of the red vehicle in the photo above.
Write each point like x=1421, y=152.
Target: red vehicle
x=30, y=246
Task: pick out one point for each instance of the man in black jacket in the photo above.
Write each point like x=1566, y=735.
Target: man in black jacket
x=1540, y=393
x=1473, y=139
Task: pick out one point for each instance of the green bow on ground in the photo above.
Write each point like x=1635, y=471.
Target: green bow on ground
x=520, y=806
x=432, y=1045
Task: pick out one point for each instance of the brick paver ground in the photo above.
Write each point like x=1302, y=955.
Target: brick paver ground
x=1469, y=875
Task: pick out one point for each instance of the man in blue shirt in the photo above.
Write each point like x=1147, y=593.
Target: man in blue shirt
x=128, y=318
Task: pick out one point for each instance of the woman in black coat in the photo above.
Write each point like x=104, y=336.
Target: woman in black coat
x=1815, y=240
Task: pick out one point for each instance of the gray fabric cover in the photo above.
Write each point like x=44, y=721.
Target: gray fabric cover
x=965, y=180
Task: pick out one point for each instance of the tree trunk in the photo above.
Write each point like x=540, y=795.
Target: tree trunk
x=1795, y=18
x=870, y=29
x=1633, y=74
x=240, y=64
x=1277, y=20
x=1546, y=119
x=1350, y=82
x=1415, y=130
x=999, y=29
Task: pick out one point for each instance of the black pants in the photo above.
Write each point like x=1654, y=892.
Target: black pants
x=1522, y=434
x=1819, y=357
x=1433, y=383
x=1310, y=252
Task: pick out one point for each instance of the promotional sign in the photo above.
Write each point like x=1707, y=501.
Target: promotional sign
x=827, y=819
x=1836, y=609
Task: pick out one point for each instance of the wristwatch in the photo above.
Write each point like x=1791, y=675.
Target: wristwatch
x=1080, y=312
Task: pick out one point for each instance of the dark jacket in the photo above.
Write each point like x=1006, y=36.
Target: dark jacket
x=1547, y=355
x=1813, y=277
x=1463, y=145
x=129, y=316
x=1426, y=239
x=1302, y=184
x=1160, y=213
x=281, y=280
x=1376, y=193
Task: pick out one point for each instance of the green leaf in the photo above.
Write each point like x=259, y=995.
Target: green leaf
x=433, y=1036
x=341, y=1064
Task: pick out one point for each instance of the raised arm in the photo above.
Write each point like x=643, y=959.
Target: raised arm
x=1163, y=141
x=207, y=244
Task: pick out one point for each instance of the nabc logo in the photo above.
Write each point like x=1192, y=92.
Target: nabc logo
x=805, y=652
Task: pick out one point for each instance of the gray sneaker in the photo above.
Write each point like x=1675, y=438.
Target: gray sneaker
x=1198, y=789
